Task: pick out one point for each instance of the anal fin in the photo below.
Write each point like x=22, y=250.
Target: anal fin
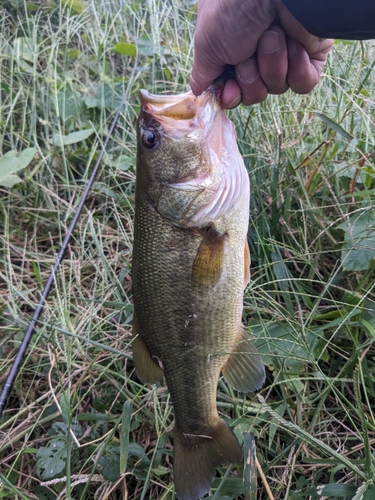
x=147, y=369
x=244, y=369
x=208, y=263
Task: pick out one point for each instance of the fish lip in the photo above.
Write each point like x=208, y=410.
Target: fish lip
x=148, y=98
x=185, y=106
x=159, y=104
x=182, y=114
x=203, y=181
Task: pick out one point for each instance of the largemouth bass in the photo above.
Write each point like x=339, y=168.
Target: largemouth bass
x=190, y=265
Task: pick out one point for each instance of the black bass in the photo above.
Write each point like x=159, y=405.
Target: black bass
x=190, y=265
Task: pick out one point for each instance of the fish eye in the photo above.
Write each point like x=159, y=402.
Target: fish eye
x=150, y=139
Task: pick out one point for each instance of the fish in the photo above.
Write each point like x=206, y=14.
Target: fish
x=191, y=263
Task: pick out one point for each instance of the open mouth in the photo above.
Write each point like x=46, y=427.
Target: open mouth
x=180, y=107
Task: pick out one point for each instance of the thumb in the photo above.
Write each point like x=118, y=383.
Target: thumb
x=204, y=72
x=226, y=33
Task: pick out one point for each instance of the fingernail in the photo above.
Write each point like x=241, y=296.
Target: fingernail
x=247, y=71
x=292, y=48
x=269, y=42
x=236, y=101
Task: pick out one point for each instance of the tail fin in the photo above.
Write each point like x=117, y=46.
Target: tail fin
x=197, y=456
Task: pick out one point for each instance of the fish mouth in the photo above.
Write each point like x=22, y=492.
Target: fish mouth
x=177, y=107
x=182, y=113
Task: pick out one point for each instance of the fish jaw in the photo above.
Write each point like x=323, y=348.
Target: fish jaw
x=180, y=114
x=211, y=177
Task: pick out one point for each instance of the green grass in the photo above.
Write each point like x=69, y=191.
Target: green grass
x=78, y=423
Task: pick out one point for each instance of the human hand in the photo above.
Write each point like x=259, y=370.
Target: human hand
x=270, y=49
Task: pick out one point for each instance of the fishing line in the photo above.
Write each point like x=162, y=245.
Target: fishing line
x=16, y=366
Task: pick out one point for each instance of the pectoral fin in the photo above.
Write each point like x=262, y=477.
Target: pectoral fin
x=244, y=369
x=208, y=263
x=147, y=369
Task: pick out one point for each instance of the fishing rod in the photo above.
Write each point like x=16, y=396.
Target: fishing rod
x=39, y=308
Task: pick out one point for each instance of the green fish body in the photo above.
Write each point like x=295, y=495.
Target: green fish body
x=190, y=265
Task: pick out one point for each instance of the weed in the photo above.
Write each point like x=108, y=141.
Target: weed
x=79, y=424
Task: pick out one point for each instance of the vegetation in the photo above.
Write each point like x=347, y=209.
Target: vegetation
x=79, y=425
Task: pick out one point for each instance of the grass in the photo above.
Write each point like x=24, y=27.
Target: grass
x=78, y=423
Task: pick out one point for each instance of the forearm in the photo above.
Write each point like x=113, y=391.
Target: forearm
x=347, y=19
